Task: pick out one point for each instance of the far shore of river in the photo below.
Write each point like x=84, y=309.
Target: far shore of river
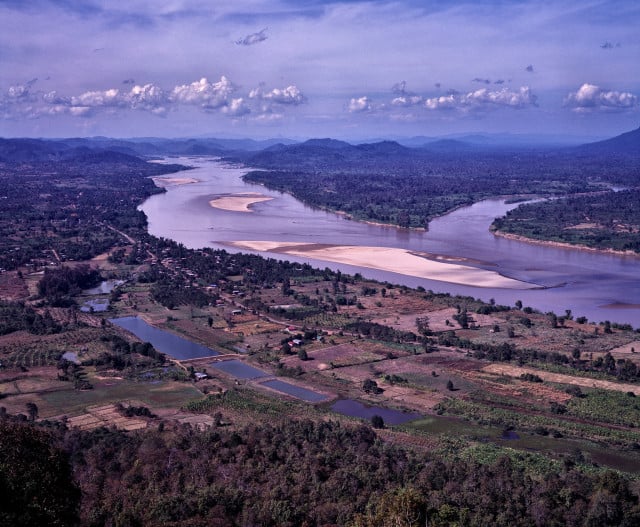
x=562, y=245
x=395, y=260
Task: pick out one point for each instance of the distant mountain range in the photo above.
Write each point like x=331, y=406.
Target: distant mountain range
x=272, y=151
x=42, y=151
x=496, y=140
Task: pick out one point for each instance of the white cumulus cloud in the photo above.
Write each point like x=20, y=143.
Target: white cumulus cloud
x=483, y=98
x=441, y=103
x=361, y=104
x=407, y=100
x=404, y=97
x=237, y=107
x=504, y=97
x=96, y=98
x=148, y=97
x=222, y=96
x=590, y=97
x=289, y=95
x=21, y=91
x=204, y=93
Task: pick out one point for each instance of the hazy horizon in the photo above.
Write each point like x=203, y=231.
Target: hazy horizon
x=346, y=69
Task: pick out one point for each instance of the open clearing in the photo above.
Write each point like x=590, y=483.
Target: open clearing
x=516, y=371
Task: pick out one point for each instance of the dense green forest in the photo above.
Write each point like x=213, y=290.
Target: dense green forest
x=71, y=209
x=409, y=187
x=603, y=221
x=289, y=474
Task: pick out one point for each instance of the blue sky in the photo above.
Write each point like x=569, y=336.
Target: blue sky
x=345, y=69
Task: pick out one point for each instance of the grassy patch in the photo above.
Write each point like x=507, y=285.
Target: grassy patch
x=247, y=401
x=607, y=407
x=542, y=424
x=160, y=394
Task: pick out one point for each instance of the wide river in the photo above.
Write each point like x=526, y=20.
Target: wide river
x=596, y=285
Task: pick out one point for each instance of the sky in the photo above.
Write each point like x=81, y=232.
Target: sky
x=346, y=69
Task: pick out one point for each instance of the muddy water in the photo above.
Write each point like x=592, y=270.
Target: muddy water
x=598, y=286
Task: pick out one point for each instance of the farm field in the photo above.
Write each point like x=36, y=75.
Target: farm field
x=374, y=339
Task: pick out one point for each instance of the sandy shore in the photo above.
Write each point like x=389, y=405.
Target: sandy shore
x=166, y=181
x=238, y=202
x=562, y=245
x=402, y=261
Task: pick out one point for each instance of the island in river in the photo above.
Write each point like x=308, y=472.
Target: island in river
x=238, y=202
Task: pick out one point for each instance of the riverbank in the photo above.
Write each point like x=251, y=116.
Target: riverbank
x=561, y=245
x=395, y=260
x=238, y=202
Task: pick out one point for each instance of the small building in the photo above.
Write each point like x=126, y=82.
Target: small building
x=200, y=376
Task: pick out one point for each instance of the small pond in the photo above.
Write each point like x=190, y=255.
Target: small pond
x=96, y=305
x=105, y=287
x=165, y=342
x=239, y=369
x=353, y=408
x=509, y=435
x=301, y=393
x=71, y=357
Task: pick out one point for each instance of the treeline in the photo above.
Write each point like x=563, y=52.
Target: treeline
x=296, y=473
x=17, y=316
x=58, y=285
x=377, y=331
x=622, y=369
x=125, y=356
x=608, y=220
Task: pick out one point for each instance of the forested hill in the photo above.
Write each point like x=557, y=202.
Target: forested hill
x=31, y=150
x=330, y=153
x=41, y=150
x=625, y=145
x=74, y=151
x=388, y=183
x=286, y=474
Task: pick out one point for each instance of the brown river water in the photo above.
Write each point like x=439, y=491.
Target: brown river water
x=599, y=286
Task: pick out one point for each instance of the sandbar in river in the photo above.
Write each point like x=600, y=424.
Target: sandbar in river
x=396, y=260
x=238, y=202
